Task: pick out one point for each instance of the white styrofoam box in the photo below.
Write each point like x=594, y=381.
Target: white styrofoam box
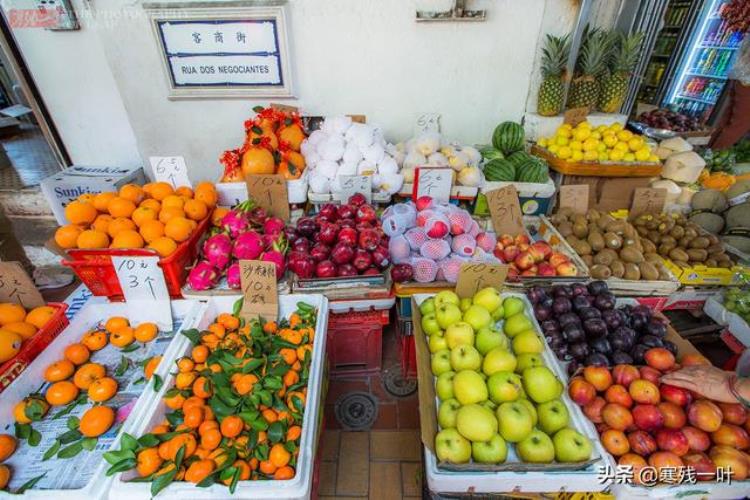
x=737, y=326
x=232, y=193
x=442, y=481
x=63, y=187
x=297, y=488
x=537, y=126
x=84, y=475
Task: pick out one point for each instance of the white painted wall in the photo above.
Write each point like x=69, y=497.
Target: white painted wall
x=72, y=74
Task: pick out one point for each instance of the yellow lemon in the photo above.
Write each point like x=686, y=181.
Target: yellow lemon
x=616, y=126
x=596, y=135
x=561, y=141
x=621, y=146
x=601, y=147
x=653, y=158
x=642, y=154
x=577, y=156
x=553, y=148
x=603, y=156
x=576, y=145
x=590, y=155
x=635, y=143
x=616, y=155
x=601, y=129
x=562, y=132
x=542, y=142
x=564, y=152
x=590, y=144
x=566, y=126
x=625, y=135
x=610, y=140
x=582, y=134
x=584, y=124
x=629, y=157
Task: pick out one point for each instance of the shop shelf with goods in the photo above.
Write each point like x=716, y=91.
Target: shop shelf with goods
x=300, y=483
x=62, y=437
x=730, y=315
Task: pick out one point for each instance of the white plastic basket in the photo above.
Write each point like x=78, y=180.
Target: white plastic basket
x=232, y=193
x=298, y=487
x=83, y=476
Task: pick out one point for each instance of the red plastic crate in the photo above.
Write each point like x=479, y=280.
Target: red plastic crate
x=11, y=369
x=408, y=357
x=95, y=269
x=355, y=342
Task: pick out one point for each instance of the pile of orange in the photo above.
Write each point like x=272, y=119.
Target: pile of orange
x=8, y=446
x=154, y=216
x=17, y=325
x=238, y=398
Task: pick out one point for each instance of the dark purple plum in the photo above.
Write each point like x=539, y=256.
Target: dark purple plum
x=547, y=302
x=622, y=358
x=641, y=309
x=637, y=353
x=561, y=351
x=597, y=287
x=619, y=342
x=536, y=294
x=601, y=345
x=573, y=367
x=574, y=333
x=670, y=346
x=561, y=305
x=562, y=291
x=568, y=319
x=542, y=313
x=595, y=328
x=597, y=359
x=579, y=350
x=651, y=341
x=604, y=301
x=589, y=313
x=580, y=302
x=579, y=289
x=638, y=321
x=656, y=328
x=612, y=318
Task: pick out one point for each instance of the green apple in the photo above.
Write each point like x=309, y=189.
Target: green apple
x=512, y=306
x=430, y=325
x=513, y=325
x=444, y=385
x=489, y=298
x=527, y=342
x=447, y=314
x=489, y=405
x=459, y=333
x=469, y=387
x=498, y=314
x=441, y=362
x=450, y=446
x=478, y=317
x=498, y=360
x=476, y=423
x=465, y=304
x=465, y=357
x=571, y=446
x=536, y=448
x=529, y=406
x=447, y=413
x=488, y=338
x=446, y=297
x=504, y=386
x=514, y=421
x=437, y=342
x=553, y=416
x=526, y=360
x=427, y=306
x=494, y=451
x=541, y=384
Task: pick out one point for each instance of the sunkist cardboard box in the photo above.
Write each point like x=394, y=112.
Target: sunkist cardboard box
x=609, y=193
x=65, y=186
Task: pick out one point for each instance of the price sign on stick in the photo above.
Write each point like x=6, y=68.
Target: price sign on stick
x=269, y=191
x=145, y=291
x=648, y=201
x=16, y=286
x=352, y=184
x=576, y=197
x=474, y=277
x=261, y=297
x=505, y=211
x=433, y=182
x=574, y=116
x=171, y=169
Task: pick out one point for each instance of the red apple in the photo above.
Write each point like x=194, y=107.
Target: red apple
x=644, y=392
x=617, y=416
x=664, y=460
x=540, y=250
x=601, y=428
x=544, y=269
x=697, y=439
x=731, y=435
x=705, y=468
x=672, y=440
x=557, y=258
x=694, y=359
x=566, y=269
x=615, y=442
x=647, y=417
x=522, y=239
x=734, y=413
x=532, y=271
x=674, y=415
x=618, y=394
x=524, y=260
x=659, y=358
x=705, y=415
x=598, y=376
x=506, y=240
x=625, y=374
x=636, y=462
x=581, y=391
x=651, y=374
x=676, y=395
x=593, y=410
x=729, y=458
x=510, y=253
x=512, y=271
x=642, y=443
x=523, y=247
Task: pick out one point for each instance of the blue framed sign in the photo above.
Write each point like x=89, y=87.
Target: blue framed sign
x=224, y=52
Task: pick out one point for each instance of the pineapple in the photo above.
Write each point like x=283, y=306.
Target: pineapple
x=584, y=89
x=554, y=57
x=614, y=85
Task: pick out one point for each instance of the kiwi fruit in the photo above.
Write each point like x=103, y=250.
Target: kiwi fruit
x=648, y=271
x=654, y=236
x=685, y=241
x=588, y=260
x=565, y=228
x=604, y=221
x=711, y=262
x=691, y=232
x=605, y=256
x=612, y=240
x=600, y=272
x=632, y=272
x=631, y=255
x=580, y=230
x=581, y=247
x=648, y=246
x=699, y=242
x=652, y=258
x=579, y=219
x=596, y=240
x=677, y=232
x=679, y=254
x=617, y=268
x=697, y=254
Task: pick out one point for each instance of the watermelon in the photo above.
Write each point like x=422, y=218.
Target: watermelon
x=508, y=137
x=490, y=153
x=500, y=170
x=519, y=157
x=534, y=170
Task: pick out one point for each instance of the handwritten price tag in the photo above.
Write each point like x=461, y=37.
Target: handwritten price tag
x=574, y=116
x=474, y=277
x=16, y=286
x=427, y=122
x=145, y=291
x=269, y=191
x=171, y=169
x=648, y=201
x=434, y=182
x=261, y=297
x=352, y=184
x=505, y=211
x=576, y=197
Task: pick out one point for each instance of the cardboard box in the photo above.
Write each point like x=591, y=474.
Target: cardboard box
x=609, y=193
x=65, y=186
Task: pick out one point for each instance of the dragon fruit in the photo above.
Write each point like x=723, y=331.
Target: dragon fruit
x=248, y=246
x=277, y=258
x=273, y=225
x=464, y=245
x=203, y=276
x=233, y=276
x=217, y=250
x=236, y=221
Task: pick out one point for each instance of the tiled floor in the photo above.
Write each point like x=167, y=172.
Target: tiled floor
x=30, y=156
